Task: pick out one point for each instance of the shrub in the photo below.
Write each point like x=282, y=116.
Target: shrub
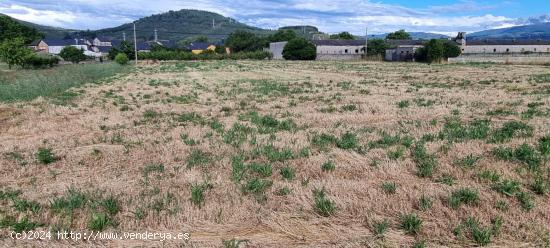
x=72, y=54
x=122, y=59
x=323, y=206
x=110, y=205
x=39, y=62
x=463, y=196
x=45, y=155
x=299, y=49
x=411, y=224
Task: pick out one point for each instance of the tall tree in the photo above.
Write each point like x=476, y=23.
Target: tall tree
x=299, y=49
x=243, y=41
x=376, y=47
x=399, y=35
x=14, y=52
x=282, y=35
x=342, y=36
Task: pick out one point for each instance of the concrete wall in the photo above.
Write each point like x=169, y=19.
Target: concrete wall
x=505, y=49
x=340, y=52
x=276, y=48
x=535, y=58
x=338, y=56
x=57, y=49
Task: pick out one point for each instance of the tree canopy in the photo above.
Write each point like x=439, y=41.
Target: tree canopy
x=73, y=54
x=124, y=47
x=342, y=36
x=282, y=35
x=436, y=50
x=376, y=47
x=14, y=52
x=244, y=41
x=399, y=35
x=299, y=49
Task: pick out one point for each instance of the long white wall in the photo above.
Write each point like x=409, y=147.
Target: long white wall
x=505, y=49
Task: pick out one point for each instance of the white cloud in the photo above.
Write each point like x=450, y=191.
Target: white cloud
x=328, y=15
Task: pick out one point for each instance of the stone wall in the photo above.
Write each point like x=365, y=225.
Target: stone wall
x=534, y=58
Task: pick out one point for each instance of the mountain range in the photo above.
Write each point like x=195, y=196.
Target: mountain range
x=183, y=24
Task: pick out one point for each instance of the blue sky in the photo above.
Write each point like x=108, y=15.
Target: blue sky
x=380, y=16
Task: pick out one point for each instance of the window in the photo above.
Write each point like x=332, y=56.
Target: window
x=346, y=51
x=356, y=50
x=495, y=50
x=535, y=49
x=507, y=50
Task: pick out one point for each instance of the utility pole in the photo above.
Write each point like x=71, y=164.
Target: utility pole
x=213, y=23
x=366, y=42
x=124, y=36
x=156, y=36
x=135, y=43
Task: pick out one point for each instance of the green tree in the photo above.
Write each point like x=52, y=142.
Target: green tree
x=437, y=50
x=452, y=50
x=10, y=29
x=376, y=47
x=244, y=41
x=73, y=54
x=342, y=36
x=124, y=47
x=13, y=52
x=282, y=35
x=121, y=59
x=299, y=49
x=399, y=35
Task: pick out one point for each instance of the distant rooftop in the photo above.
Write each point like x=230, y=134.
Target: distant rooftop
x=339, y=42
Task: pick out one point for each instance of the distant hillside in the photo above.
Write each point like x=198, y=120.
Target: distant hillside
x=177, y=25
x=47, y=31
x=535, y=31
x=415, y=36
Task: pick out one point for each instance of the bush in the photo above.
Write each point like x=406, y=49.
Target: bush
x=39, y=62
x=121, y=59
x=299, y=49
x=72, y=54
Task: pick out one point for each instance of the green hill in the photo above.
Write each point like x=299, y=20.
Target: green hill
x=47, y=31
x=177, y=25
x=527, y=32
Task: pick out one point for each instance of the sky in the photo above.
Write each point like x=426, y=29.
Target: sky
x=331, y=16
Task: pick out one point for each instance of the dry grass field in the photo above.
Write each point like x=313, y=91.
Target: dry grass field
x=286, y=154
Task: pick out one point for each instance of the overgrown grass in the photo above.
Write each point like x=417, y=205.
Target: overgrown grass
x=26, y=85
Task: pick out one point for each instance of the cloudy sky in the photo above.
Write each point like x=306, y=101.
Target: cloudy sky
x=439, y=16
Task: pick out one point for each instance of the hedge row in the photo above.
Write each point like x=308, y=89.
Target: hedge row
x=38, y=62
x=179, y=55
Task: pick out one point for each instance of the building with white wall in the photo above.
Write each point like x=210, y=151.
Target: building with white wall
x=327, y=49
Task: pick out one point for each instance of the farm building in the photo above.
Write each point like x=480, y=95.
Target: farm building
x=327, y=49
x=52, y=46
x=402, y=50
x=339, y=49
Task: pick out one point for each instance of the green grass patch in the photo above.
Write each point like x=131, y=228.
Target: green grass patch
x=323, y=205
x=463, y=196
x=510, y=130
x=26, y=85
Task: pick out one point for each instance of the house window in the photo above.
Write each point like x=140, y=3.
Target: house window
x=495, y=50
x=346, y=51
x=507, y=50
x=356, y=50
